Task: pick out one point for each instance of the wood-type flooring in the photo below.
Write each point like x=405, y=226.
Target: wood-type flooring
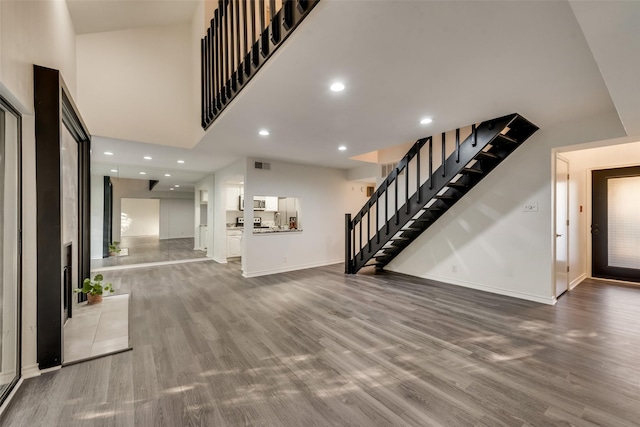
x=318, y=348
x=151, y=249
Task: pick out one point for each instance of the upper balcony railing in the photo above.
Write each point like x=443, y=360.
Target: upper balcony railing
x=242, y=36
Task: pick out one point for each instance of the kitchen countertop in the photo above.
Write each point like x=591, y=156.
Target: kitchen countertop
x=273, y=230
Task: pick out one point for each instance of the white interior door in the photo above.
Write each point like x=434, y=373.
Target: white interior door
x=562, y=226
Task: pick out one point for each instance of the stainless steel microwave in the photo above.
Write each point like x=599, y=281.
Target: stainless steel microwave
x=259, y=203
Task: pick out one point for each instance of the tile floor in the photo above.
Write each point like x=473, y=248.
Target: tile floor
x=96, y=330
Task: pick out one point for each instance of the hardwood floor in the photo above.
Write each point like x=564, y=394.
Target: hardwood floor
x=151, y=249
x=318, y=348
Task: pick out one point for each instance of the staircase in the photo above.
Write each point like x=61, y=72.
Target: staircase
x=430, y=179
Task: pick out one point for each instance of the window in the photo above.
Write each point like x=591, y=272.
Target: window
x=10, y=220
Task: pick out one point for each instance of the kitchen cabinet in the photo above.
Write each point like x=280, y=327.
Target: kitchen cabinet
x=234, y=243
x=233, y=198
x=271, y=204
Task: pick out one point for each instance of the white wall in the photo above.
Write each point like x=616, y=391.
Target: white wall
x=155, y=64
x=492, y=243
x=581, y=163
x=142, y=217
x=176, y=218
x=32, y=32
x=235, y=172
x=205, y=184
x=97, y=216
x=325, y=196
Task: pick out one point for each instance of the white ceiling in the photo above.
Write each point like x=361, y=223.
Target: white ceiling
x=458, y=62
x=96, y=16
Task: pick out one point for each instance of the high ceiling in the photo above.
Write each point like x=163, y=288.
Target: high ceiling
x=457, y=62
x=96, y=16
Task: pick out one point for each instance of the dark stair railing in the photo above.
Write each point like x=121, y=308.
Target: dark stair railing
x=423, y=186
x=236, y=46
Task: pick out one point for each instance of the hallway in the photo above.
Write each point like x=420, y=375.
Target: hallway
x=316, y=347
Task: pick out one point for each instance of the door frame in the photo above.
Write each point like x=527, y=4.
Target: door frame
x=554, y=226
x=595, y=265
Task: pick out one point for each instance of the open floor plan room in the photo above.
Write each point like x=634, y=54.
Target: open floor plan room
x=316, y=347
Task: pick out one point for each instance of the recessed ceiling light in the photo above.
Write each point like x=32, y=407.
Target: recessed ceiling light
x=108, y=153
x=114, y=170
x=264, y=132
x=176, y=186
x=426, y=121
x=337, y=87
x=167, y=174
x=342, y=148
x=171, y=189
x=180, y=161
x=147, y=157
x=143, y=173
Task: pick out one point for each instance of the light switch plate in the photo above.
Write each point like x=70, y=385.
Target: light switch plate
x=530, y=207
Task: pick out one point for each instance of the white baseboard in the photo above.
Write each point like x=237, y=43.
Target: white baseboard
x=575, y=282
x=149, y=264
x=220, y=260
x=506, y=292
x=289, y=268
x=55, y=368
x=31, y=371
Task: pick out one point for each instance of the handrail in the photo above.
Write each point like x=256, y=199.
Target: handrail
x=235, y=48
x=463, y=164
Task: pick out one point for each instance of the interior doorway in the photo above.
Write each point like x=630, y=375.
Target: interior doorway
x=562, y=226
x=615, y=227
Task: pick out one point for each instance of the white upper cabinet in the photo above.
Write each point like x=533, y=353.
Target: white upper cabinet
x=233, y=198
x=271, y=204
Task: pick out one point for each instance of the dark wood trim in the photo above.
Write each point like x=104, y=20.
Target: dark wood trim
x=47, y=131
x=107, y=218
x=53, y=108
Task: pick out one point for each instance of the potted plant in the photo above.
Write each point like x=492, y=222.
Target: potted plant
x=114, y=248
x=94, y=289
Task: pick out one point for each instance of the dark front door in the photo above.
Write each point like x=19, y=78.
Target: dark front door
x=615, y=226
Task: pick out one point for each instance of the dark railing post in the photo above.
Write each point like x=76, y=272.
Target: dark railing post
x=377, y=218
x=406, y=185
x=211, y=76
x=430, y=163
x=254, y=41
x=239, y=76
x=418, y=173
x=396, y=196
x=275, y=23
x=287, y=6
x=369, y=226
x=204, y=80
x=347, y=244
x=386, y=207
x=474, y=139
x=264, y=40
x=444, y=155
x=360, y=238
x=245, y=55
x=232, y=48
x=458, y=145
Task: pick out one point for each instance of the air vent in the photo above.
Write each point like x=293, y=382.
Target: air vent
x=262, y=165
x=387, y=168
